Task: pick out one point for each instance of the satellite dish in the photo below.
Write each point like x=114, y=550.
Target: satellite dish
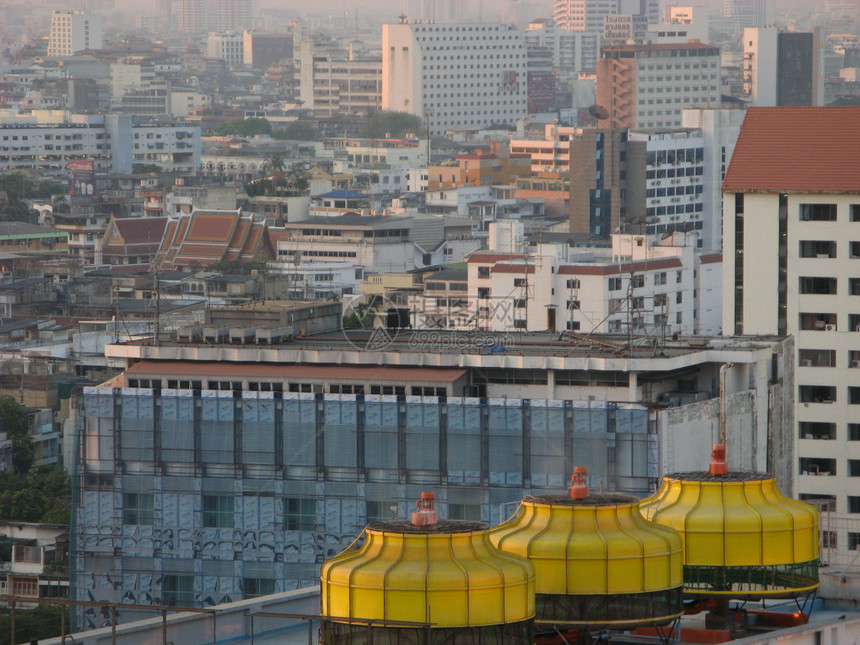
x=598, y=112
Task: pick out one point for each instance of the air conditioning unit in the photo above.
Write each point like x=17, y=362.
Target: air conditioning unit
x=855, y=363
x=830, y=327
x=806, y=362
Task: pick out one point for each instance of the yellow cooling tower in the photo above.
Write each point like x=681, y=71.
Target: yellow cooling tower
x=438, y=576
x=742, y=537
x=597, y=561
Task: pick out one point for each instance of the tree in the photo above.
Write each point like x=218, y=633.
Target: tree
x=396, y=124
x=361, y=317
x=276, y=163
x=42, y=622
x=244, y=127
x=297, y=131
x=15, y=425
x=144, y=168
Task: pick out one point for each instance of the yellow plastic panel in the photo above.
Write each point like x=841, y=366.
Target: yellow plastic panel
x=735, y=522
x=446, y=579
x=585, y=549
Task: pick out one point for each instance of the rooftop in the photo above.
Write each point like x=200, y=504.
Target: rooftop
x=772, y=141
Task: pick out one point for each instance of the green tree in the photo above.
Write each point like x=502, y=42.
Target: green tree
x=397, y=124
x=42, y=622
x=238, y=267
x=17, y=429
x=298, y=131
x=361, y=317
x=244, y=127
x=276, y=162
x=144, y=168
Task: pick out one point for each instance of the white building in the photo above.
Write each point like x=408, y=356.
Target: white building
x=719, y=128
x=550, y=154
x=792, y=241
x=588, y=16
x=456, y=75
x=74, y=31
x=647, y=86
x=782, y=68
x=128, y=75
x=674, y=182
x=332, y=84
x=637, y=287
x=228, y=46
x=46, y=141
x=681, y=24
x=566, y=47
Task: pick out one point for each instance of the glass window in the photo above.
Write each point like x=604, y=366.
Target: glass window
x=256, y=587
x=300, y=514
x=218, y=511
x=177, y=590
x=137, y=508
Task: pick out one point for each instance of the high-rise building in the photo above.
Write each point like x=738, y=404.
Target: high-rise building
x=647, y=86
x=588, y=16
x=791, y=225
x=749, y=13
x=456, y=75
x=782, y=68
x=220, y=15
x=74, y=31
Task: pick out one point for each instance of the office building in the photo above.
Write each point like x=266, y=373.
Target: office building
x=200, y=16
x=782, y=68
x=588, y=16
x=212, y=469
x=455, y=75
x=647, y=86
x=791, y=218
x=74, y=31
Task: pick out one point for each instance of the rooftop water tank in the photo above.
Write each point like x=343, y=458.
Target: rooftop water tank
x=742, y=537
x=443, y=576
x=597, y=562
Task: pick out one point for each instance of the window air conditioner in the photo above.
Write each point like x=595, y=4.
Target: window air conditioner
x=830, y=327
x=855, y=363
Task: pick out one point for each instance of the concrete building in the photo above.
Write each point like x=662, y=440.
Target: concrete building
x=35, y=560
x=228, y=46
x=647, y=86
x=455, y=75
x=639, y=286
x=271, y=458
x=74, y=31
x=673, y=180
x=332, y=85
x=719, y=127
x=550, y=155
x=200, y=16
x=782, y=68
x=588, y=16
x=791, y=208
x=48, y=140
x=262, y=50
x=749, y=13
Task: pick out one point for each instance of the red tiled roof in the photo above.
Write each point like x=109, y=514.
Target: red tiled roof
x=141, y=230
x=797, y=150
x=489, y=258
x=711, y=258
x=275, y=370
x=616, y=269
x=513, y=268
x=206, y=237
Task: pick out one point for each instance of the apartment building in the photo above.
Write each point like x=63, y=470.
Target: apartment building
x=636, y=287
x=791, y=216
x=455, y=75
x=550, y=154
x=333, y=84
x=647, y=86
x=228, y=46
x=74, y=31
x=48, y=140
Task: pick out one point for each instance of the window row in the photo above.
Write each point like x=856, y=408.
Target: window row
x=826, y=358
x=827, y=394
